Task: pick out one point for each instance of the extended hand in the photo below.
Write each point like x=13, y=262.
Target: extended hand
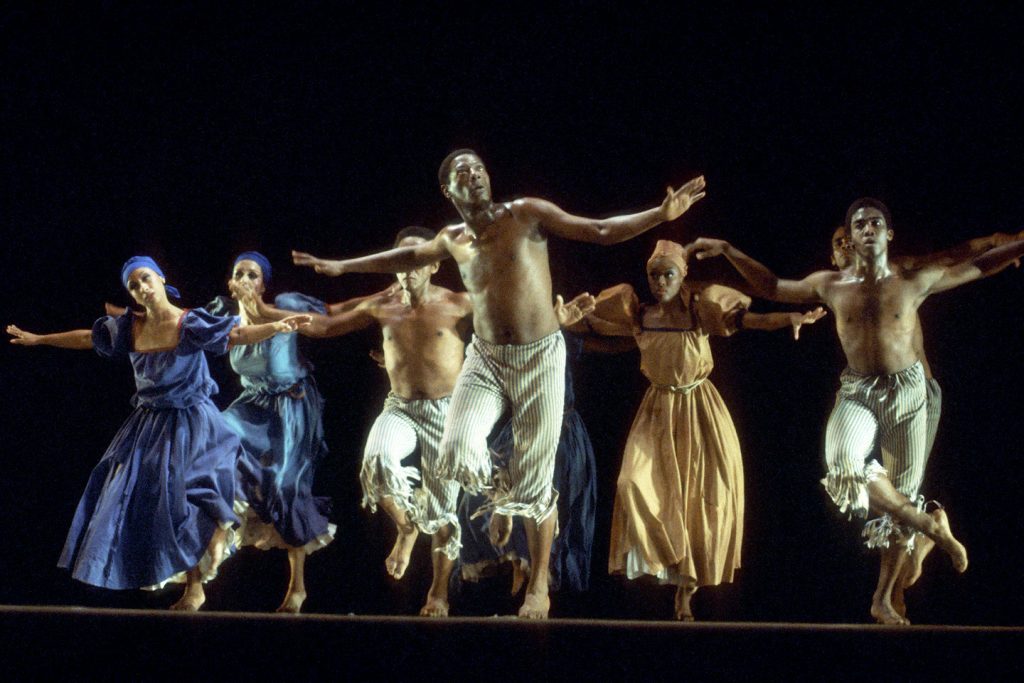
x=808, y=318
x=21, y=337
x=293, y=322
x=678, y=201
x=574, y=311
x=322, y=266
x=705, y=247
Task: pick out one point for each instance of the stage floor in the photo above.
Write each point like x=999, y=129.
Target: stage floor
x=75, y=642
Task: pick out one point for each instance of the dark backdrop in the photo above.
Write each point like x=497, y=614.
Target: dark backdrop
x=193, y=133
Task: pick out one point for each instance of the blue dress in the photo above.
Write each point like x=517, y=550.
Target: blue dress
x=576, y=484
x=278, y=416
x=168, y=478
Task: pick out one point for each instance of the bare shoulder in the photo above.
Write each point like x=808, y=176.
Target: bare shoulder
x=530, y=209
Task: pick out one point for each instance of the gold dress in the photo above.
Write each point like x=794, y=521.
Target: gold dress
x=679, y=498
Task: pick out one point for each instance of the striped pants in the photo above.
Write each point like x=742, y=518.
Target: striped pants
x=401, y=427
x=889, y=408
x=529, y=380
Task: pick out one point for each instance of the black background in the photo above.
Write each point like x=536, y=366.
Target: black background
x=196, y=132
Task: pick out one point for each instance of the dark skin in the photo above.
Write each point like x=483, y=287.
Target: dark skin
x=875, y=305
x=502, y=254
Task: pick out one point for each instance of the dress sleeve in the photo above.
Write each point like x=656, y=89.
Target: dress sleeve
x=615, y=312
x=202, y=330
x=112, y=336
x=720, y=309
x=222, y=305
x=300, y=303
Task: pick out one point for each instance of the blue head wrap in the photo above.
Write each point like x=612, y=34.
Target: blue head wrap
x=260, y=260
x=136, y=262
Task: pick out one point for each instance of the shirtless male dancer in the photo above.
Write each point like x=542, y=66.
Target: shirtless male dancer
x=882, y=392
x=842, y=257
x=517, y=356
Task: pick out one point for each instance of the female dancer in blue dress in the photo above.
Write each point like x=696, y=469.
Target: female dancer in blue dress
x=278, y=417
x=159, y=502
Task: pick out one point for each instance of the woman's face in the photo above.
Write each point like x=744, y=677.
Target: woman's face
x=248, y=275
x=146, y=287
x=664, y=277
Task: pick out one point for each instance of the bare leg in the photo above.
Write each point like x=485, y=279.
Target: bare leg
x=437, y=597
x=499, y=530
x=194, y=595
x=684, y=593
x=882, y=608
x=398, y=560
x=924, y=545
x=519, y=575
x=539, y=537
x=296, y=594
x=217, y=548
x=885, y=498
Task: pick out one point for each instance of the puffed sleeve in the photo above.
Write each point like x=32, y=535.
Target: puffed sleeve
x=200, y=329
x=720, y=309
x=615, y=312
x=300, y=303
x=222, y=305
x=112, y=336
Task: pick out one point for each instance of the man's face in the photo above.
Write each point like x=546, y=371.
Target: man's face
x=665, y=278
x=842, y=248
x=468, y=182
x=415, y=280
x=869, y=232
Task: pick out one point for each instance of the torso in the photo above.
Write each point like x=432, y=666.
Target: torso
x=156, y=335
x=505, y=269
x=423, y=348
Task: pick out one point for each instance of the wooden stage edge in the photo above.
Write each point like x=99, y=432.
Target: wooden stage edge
x=149, y=645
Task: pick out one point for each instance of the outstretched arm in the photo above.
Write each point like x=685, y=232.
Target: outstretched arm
x=778, y=321
x=72, y=339
x=989, y=263
x=960, y=253
x=252, y=334
x=762, y=281
x=569, y=314
x=617, y=228
x=399, y=260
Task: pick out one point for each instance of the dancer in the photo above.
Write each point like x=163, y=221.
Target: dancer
x=278, y=417
x=882, y=392
x=517, y=358
x=678, y=513
x=160, y=499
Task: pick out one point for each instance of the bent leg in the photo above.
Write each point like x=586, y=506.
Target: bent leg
x=296, y=594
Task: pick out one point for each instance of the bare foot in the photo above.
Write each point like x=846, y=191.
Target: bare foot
x=434, y=607
x=191, y=601
x=683, y=595
x=884, y=613
x=535, y=606
x=292, y=603
x=500, y=530
x=398, y=560
x=956, y=551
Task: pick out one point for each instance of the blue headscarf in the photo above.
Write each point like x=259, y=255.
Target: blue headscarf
x=259, y=259
x=136, y=262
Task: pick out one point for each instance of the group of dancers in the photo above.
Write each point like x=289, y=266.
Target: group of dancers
x=183, y=484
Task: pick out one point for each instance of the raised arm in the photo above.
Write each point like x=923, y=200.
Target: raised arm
x=398, y=260
x=941, y=278
x=609, y=230
x=763, y=282
x=72, y=339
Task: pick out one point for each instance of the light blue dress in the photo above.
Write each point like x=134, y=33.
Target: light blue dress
x=278, y=416
x=169, y=477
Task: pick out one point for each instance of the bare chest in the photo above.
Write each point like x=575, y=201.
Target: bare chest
x=874, y=304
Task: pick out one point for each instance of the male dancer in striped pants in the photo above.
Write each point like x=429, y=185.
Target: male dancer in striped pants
x=882, y=392
x=516, y=359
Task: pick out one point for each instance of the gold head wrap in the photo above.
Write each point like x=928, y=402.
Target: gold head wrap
x=672, y=251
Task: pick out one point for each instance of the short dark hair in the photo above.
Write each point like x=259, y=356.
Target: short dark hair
x=871, y=203
x=446, y=165
x=414, y=231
